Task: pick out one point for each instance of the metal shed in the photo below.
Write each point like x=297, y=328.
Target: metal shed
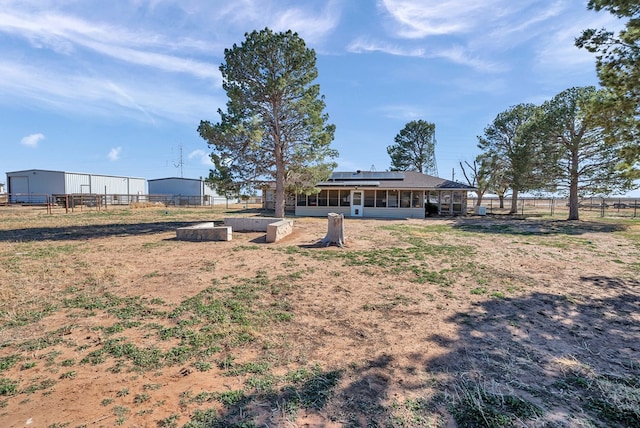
x=186, y=191
x=41, y=183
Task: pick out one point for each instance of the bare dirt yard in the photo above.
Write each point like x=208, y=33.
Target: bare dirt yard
x=107, y=320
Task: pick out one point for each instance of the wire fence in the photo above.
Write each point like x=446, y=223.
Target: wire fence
x=558, y=207
x=555, y=207
x=85, y=201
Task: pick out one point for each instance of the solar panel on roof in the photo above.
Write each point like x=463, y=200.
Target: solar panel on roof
x=368, y=175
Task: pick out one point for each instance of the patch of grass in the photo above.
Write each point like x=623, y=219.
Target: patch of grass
x=37, y=386
x=206, y=419
x=106, y=401
x=615, y=399
x=69, y=375
x=169, y=422
x=28, y=365
x=230, y=398
x=261, y=383
x=25, y=317
x=151, y=386
x=312, y=390
x=9, y=361
x=475, y=405
x=202, y=366
x=151, y=275
x=141, y=398
x=250, y=367
x=8, y=386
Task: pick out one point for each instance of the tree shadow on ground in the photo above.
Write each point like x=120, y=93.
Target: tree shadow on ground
x=72, y=233
x=541, y=360
x=534, y=226
x=568, y=360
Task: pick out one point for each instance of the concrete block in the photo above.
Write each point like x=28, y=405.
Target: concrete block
x=204, y=232
x=250, y=224
x=278, y=230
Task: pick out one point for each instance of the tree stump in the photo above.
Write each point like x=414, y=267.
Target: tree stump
x=335, y=233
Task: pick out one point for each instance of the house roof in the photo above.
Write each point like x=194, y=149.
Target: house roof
x=392, y=179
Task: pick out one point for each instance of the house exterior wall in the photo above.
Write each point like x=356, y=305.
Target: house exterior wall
x=196, y=191
x=368, y=212
x=448, y=202
x=322, y=211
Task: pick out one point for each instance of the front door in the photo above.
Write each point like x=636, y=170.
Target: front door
x=356, y=203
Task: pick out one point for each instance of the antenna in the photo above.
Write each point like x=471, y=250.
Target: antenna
x=181, y=163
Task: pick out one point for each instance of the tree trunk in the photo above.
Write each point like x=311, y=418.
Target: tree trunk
x=480, y=195
x=573, y=187
x=514, y=202
x=281, y=196
x=335, y=233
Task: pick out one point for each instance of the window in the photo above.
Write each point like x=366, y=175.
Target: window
x=445, y=202
x=302, y=200
x=457, y=202
x=334, y=198
x=405, y=199
x=416, y=201
x=369, y=198
x=322, y=198
x=392, y=198
x=313, y=200
x=345, y=198
x=381, y=198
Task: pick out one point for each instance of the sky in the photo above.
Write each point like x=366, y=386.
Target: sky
x=120, y=87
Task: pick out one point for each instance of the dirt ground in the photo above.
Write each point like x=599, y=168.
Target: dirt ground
x=409, y=311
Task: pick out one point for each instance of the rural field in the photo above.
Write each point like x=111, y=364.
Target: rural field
x=108, y=320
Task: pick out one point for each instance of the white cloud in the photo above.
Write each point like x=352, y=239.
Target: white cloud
x=32, y=140
x=66, y=34
x=89, y=94
x=201, y=156
x=362, y=45
x=456, y=54
x=114, y=154
x=310, y=24
x=418, y=19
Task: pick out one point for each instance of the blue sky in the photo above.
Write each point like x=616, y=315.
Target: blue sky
x=119, y=87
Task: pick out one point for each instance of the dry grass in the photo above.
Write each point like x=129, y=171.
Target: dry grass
x=108, y=320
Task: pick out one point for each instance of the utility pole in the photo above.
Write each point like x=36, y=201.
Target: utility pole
x=180, y=163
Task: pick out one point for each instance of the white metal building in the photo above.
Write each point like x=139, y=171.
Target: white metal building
x=186, y=191
x=37, y=182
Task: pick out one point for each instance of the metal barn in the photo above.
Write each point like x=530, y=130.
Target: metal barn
x=186, y=191
x=37, y=183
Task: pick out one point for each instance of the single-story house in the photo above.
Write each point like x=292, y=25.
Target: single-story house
x=388, y=194
x=186, y=191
